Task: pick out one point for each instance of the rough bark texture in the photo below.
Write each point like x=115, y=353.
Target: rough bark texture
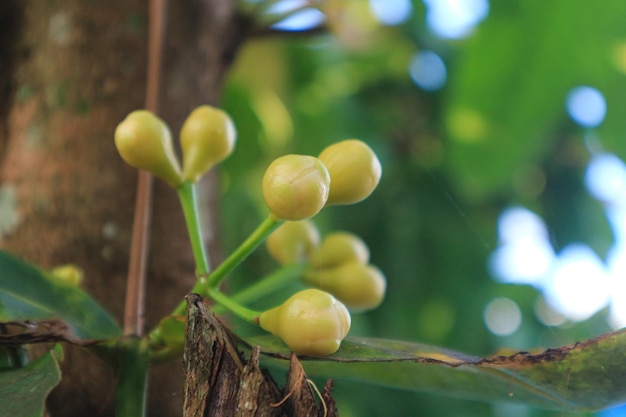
x=70, y=70
x=219, y=381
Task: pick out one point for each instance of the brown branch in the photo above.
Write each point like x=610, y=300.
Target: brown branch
x=136, y=283
x=14, y=334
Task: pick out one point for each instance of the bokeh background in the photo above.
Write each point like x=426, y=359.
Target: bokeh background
x=501, y=215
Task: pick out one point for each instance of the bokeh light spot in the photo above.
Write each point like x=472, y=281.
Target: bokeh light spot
x=304, y=19
x=467, y=125
x=428, y=70
x=524, y=262
x=616, y=261
x=586, y=106
x=391, y=12
x=580, y=284
x=525, y=255
x=502, y=316
x=516, y=223
x=605, y=177
x=619, y=56
x=455, y=19
x=546, y=314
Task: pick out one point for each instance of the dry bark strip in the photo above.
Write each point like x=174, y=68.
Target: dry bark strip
x=220, y=382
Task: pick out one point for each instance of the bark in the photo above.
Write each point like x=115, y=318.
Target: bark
x=220, y=382
x=70, y=70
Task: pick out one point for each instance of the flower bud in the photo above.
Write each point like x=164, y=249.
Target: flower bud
x=360, y=287
x=295, y=187
x=310, y=322
x=293, y=242
x=144, y=142
x=69, y=274
x=207, y=137
x=354, y=171
x=339, y=248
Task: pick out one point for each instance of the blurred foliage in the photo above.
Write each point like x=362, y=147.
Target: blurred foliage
x=497, y=134
x=23, y=391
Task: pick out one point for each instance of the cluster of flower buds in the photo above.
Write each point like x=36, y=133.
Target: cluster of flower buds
x=336, y=266
x=144, y=141
x=297, y=187
x=340, y=266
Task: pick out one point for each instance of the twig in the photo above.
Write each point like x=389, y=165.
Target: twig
x=136, y=282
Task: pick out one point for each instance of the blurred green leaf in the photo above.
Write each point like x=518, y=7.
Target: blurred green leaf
x=508, y=88
x=173, y=330
x=23, y=391
x=28, y=293
x=587, y=375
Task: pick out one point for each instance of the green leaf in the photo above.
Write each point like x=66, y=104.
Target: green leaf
x=28, y=293
x=23, y=391
x=509, y=85
x=584, y=376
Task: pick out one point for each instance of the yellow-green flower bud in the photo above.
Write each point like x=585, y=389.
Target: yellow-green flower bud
x=293, y=242
x=360, y=287
x=144, y=142
x=339, y=248
x=207, y=138
x=310, y=322
x=69, y=274
x=354, y=171
x=295, y=187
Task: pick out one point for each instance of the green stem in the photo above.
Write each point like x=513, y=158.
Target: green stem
x=242, y=252
x=189, y=203
x=130, y=398
x=188, y=200
x=233, y=306
x=270, y=283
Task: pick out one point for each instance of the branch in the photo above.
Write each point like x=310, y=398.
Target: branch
x=136, y=283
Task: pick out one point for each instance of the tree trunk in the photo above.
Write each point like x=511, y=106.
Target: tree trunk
x=70, y=70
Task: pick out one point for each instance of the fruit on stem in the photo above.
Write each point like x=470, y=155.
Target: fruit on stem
x=207, y=137
x=293, y=242
x=338, y=248
x=144, y=141
x=360, y=287
x=354, y=171
x=295, y=187
x=310, y=322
